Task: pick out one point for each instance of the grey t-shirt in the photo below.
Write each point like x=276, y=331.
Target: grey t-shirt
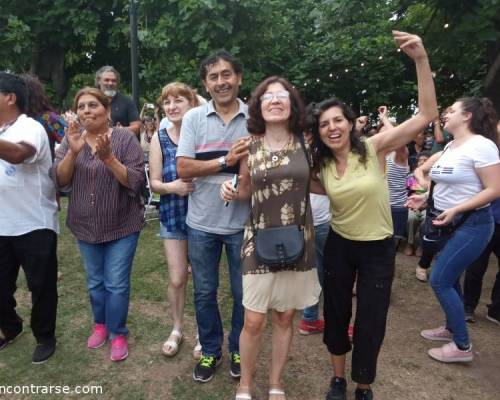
x=205, y=136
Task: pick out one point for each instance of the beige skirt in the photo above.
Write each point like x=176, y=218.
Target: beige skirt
x=280, y=291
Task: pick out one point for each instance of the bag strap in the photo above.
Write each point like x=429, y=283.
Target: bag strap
x=430, y=201
x=309, y=163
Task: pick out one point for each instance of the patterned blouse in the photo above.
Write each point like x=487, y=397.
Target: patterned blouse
x=100, y=209
x=279, y=194
x=173, y=208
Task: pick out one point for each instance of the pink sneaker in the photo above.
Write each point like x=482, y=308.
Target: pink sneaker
x=119, y=348
x=450, y=353
x=440, y=334
x=98, y=337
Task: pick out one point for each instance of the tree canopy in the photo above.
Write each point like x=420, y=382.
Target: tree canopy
x=324, y=47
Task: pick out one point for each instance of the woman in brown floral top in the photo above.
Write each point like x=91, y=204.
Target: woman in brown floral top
x=276, y=177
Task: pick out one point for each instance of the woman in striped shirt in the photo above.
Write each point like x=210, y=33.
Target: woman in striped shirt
x=103, y=169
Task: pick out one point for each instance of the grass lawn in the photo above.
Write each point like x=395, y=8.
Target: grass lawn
x=146, y=374
x=405, y=371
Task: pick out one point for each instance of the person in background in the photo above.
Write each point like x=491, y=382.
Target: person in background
x=28, y=220
x=40, y=109
x=177, y=98
x=441, y=137
x=124, y=112
x=148, y=129
x=103, y=168
x=474, y=274
x=466, y=175
x=415, y=217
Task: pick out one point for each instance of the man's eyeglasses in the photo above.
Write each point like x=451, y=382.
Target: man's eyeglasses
x=281, y=95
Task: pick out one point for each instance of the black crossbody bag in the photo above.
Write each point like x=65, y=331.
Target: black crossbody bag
x=433, y=233
x=283, y=246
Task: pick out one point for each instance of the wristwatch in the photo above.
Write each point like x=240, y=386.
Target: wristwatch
x=222, y=162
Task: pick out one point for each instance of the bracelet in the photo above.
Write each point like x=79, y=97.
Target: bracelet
x=109, y=160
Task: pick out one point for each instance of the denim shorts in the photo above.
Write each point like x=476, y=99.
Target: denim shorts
x=175, y=235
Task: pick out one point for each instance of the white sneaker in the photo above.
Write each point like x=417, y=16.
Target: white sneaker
x=421, y=274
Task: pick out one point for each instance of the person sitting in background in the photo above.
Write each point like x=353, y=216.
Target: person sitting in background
x=103, y=168
x=177, y=98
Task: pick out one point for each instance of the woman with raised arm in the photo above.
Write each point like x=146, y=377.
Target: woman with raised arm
x=276, y=176
x=177, y=98
x=466, y=181
x=103, y=170
x=352, y=171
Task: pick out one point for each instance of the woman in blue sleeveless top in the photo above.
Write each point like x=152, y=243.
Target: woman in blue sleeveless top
x=177, y=98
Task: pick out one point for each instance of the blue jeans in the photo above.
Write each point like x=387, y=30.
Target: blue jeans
x=204, y=251
x=108, y=267
x=311, y=313
x=465, y=246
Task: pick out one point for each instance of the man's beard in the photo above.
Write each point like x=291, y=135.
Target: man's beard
x=110, y=92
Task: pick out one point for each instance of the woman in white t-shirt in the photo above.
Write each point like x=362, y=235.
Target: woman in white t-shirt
x=466, y=175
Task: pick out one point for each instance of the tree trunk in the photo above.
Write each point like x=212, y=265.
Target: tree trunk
x=48, y=64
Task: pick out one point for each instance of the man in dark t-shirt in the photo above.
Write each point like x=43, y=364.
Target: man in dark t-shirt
x=123, y=110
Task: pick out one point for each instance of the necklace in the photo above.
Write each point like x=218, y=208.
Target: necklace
x=275, y=157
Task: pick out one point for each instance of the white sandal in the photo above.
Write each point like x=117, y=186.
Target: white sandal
x=172, y=344
x=197, y=349
x=276, y=392
x=243, y=396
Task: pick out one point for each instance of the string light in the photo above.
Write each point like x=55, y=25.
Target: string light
x=331, y=75
x=380, y=57
x=446, y=26
x=362, y=64
x=452, y=76
x=346, y=70
x=398, y=50
x=305, y=83
x=317, y=80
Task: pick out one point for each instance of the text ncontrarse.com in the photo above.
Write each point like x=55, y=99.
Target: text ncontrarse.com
x=49, y=389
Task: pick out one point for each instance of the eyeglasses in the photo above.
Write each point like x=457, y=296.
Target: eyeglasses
x=281, y=95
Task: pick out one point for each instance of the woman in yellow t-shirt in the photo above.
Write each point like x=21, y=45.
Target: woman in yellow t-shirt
x=352, y=172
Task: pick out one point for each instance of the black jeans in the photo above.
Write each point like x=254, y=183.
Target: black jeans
x=36, y=252
x=374, y=262
x=473, y=282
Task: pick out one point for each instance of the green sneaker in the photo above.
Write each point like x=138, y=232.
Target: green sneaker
x=235, y=364
x=205, y=369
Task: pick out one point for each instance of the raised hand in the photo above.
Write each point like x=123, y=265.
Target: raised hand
x=411, y=44
x=75, y=136
x=382, y=112
x=103, y=147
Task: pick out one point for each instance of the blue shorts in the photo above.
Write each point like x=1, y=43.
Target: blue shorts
x=174, y=235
